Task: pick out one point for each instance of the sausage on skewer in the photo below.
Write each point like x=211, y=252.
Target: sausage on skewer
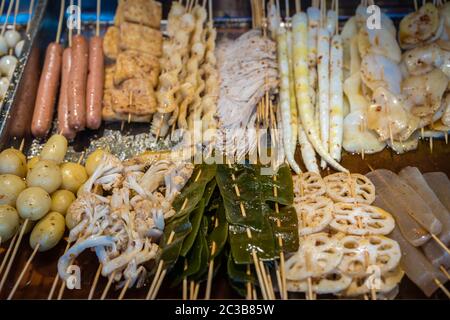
x=63, y=103
x=48, y=86
x=77, y=83
x=95, y=81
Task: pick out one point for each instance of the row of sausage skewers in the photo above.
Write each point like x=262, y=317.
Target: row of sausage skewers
x=79, y=69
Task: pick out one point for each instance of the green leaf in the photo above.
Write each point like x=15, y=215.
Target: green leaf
x=170, y=252
x=238, y=273
x=194, y=190
x=219, y=234
x=195, y=219
x=255, y=227
x=184, y=204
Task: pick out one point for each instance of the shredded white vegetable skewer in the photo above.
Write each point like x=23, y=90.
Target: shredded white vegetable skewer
x=300, y=33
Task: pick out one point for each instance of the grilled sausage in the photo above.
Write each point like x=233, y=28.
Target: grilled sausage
x=95, y=81
x=63, y=103
x=77, y=83
x=46, y=95
x=21, y=116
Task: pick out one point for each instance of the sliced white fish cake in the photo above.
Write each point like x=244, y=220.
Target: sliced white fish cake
x=361, y=220
x=360, y=253
x=314, y=214
x=353, y=188
x=318, y=255
x=309, y=184
x=333, y=283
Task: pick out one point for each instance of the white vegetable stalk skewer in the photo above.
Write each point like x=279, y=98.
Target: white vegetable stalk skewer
x=323, y=67
x=336, y=96
x=294, y=113
x=299, y=24
x=285, y=98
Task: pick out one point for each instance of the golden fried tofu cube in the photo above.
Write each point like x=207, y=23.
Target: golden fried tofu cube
x=109, y=115
x=144, y=12
x=140, y=38
x=111, y=43
x=135, y=96
x=109, y=76
x=134, y=64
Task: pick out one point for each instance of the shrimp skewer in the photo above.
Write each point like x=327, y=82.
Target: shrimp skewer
x=285, y=103
x=301, y=73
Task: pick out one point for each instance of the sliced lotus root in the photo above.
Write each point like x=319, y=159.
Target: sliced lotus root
x=361, y=219
x=386, y=283
x=360, y=253
x=314, y=214
x=332, y=283
x=318, y=255
x=309, y=184
x=353, y=188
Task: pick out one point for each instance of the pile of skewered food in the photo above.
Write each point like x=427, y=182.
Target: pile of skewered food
x=125, y=224
x=343, y=239
x=310, y=57
x=74, y=76
x=249, y=78
x=35, y=196
x=395, y=94
x=132, y=47
x=188, y=86
x=11, y=46
x=420, y=206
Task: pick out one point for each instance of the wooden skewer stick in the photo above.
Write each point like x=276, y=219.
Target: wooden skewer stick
x=210, y=272
x=445, y=272
x=25, y=268
x=30, y=15
x=2, y=6
x=8, y=252
x=248, y=285
x=156, y=283
x=97, y=22
x=196, y=290
x=283, y=287
x=441, y=286
x=62, y=288
x=185, y=284
x=13, y=255
x=108, y=285
x=94, y=283
x=55, y=281
x=79, y=17
x=60, y=22
x=159, y=271
x=8, y=13
x=298, y=6
x=310, y=295
x=127, y=285
x=16, y=12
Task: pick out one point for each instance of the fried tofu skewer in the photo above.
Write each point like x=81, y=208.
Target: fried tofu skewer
x=181, y=23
